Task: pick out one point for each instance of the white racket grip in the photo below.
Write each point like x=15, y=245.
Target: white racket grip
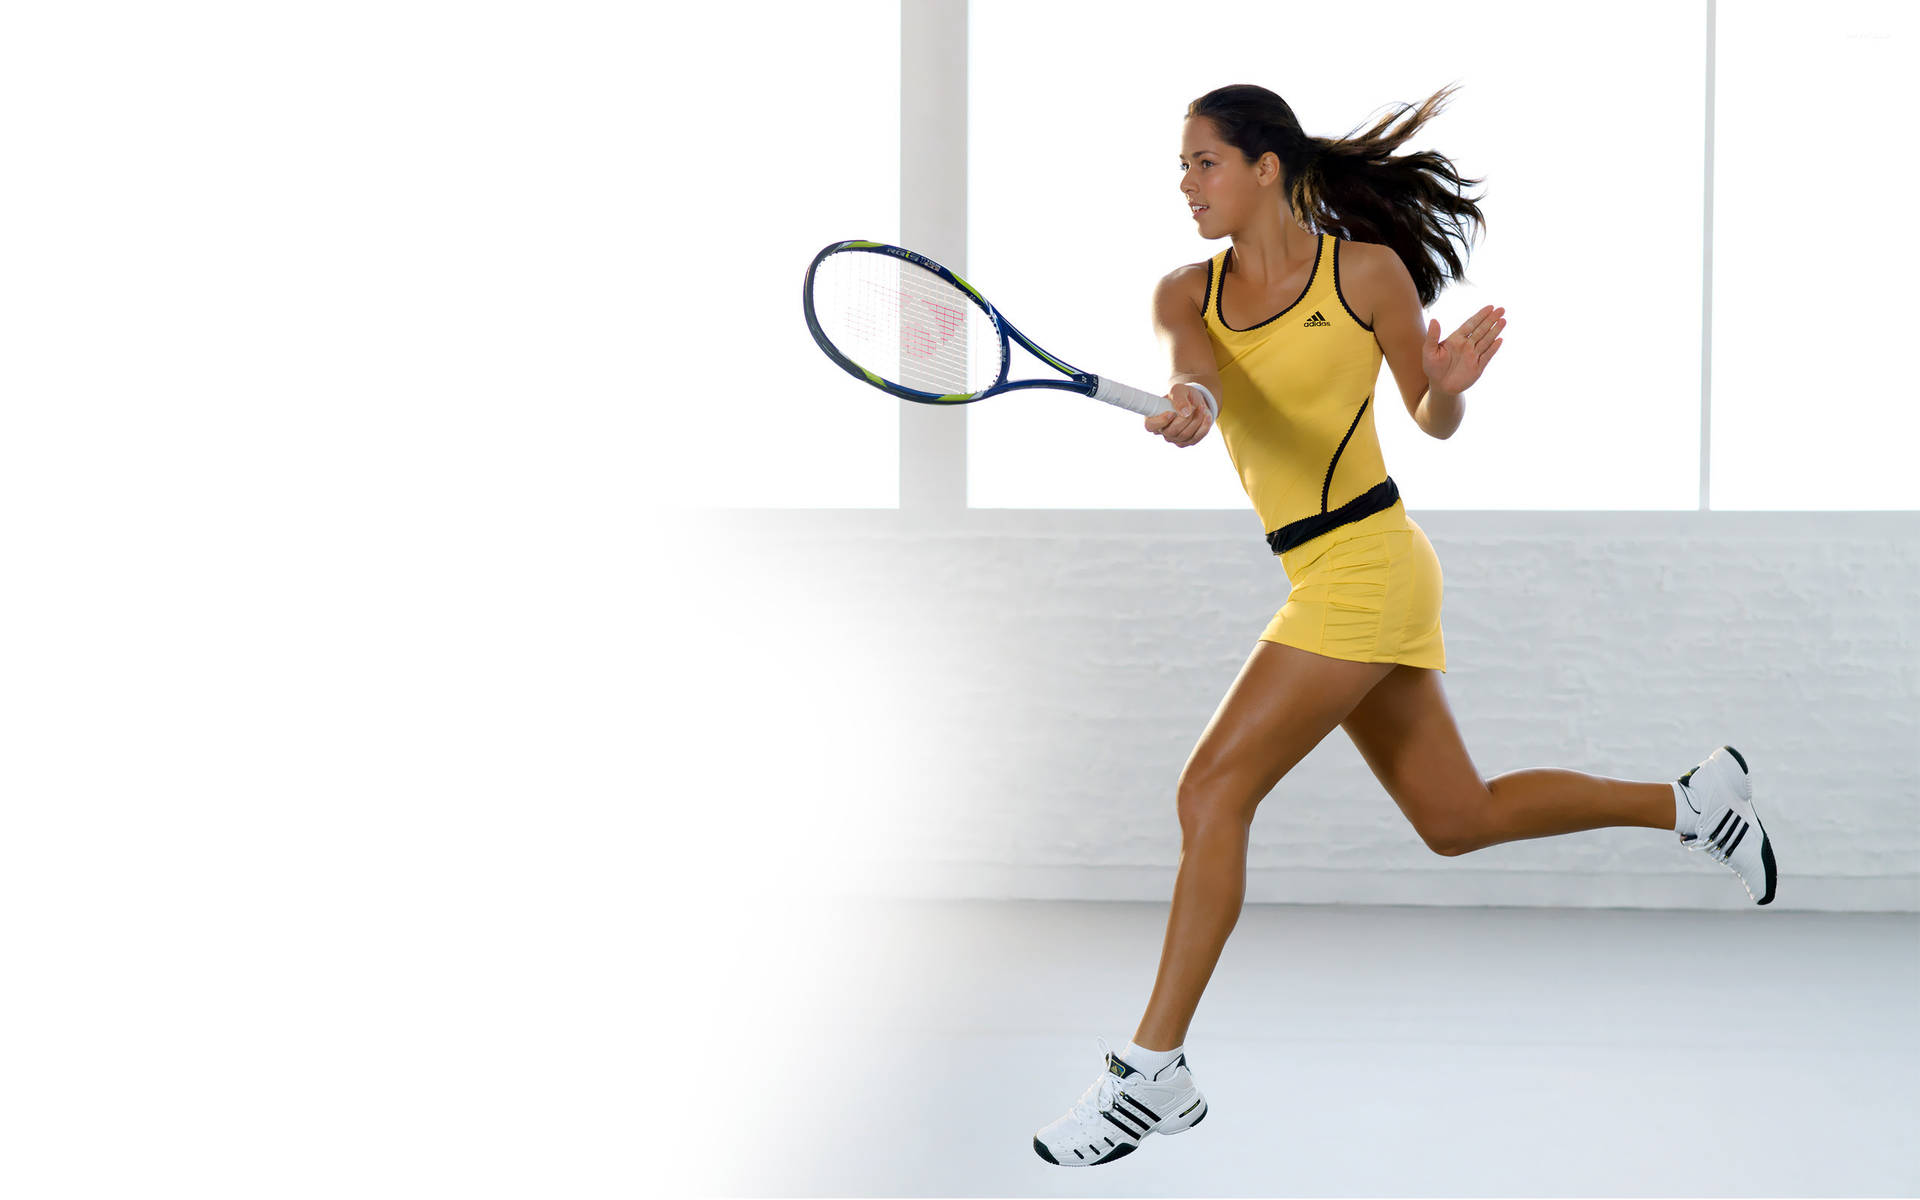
x=1145, y=403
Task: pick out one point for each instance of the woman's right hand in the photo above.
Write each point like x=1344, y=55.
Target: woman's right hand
x=1187, y=421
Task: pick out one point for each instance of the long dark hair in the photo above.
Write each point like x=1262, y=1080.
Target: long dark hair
x=1354, y=186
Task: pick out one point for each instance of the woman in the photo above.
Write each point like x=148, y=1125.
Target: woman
x=1358, y=642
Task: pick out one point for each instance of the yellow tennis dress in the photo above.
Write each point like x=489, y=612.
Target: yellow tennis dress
x=1296, y=414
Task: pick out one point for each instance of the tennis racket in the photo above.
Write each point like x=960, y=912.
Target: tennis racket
x=905, y=324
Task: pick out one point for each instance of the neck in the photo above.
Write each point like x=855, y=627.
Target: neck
x=1272, y=250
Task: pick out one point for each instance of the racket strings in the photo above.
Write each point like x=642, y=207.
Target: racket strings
x=905, y=323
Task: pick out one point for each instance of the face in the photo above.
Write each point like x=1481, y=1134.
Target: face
x=1217, y=175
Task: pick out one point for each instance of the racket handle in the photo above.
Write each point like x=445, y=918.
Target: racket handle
x=1144, y=403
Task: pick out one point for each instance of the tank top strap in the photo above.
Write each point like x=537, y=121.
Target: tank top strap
x=1320, y=286
x=1216, y=266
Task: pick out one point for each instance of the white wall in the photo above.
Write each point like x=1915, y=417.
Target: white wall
x=999, y=705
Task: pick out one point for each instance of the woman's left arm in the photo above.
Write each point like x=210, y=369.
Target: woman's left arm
x=1412, y=347
x=1454, y=365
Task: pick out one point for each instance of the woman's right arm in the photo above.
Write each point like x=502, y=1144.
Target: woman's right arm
x=1182, y=330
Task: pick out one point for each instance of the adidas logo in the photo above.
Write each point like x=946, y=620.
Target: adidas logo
x=1315, y=319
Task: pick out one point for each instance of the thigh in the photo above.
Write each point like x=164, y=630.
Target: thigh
x=1283, y=703
x=1405, y=731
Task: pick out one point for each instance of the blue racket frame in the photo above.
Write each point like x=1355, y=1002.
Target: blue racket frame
x=1079, y=381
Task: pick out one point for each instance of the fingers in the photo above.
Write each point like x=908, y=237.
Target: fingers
x=1183, y=424
x=1188, y=429
x=1488, y=337
x=1481, y=326
x=1158, y=422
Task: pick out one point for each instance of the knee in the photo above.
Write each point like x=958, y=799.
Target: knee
x=1461, y=831
x=1202, y=806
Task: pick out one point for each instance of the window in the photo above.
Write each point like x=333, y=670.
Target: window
x=1812, y=406
x=1593, y=242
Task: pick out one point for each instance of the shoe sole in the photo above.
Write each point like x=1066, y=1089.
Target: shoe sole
x=1120, y=1151
x=1124, y=1148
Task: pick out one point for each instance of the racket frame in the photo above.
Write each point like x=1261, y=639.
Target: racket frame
x=1077, y=380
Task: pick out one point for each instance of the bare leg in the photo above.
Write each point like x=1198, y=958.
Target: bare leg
x=1283, y=703
x=1545, y=803
x=1406, y=732
x=1207, y=898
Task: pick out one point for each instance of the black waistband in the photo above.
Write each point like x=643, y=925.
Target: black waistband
x=1299, y=533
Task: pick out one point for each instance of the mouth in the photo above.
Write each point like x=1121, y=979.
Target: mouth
x=1198, y=208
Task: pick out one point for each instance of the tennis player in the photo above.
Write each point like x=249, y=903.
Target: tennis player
x=1287, y=327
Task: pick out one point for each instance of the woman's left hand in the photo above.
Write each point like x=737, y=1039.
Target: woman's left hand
x=1454, y=365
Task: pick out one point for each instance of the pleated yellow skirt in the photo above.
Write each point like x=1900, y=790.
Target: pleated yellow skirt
x=1370, y=595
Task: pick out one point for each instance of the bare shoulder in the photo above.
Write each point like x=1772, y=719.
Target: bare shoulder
x=1190, y=281
x=1361, y=256
x=1360, y=267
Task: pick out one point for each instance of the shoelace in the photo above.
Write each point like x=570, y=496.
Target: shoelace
x=1099, y=1098
x=1699, y=841
x=1712, y=849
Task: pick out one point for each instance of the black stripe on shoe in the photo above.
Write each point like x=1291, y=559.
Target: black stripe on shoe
x=1731, y=846
x=1114, y=1118
x=1731, y=834
x=1151, y=1115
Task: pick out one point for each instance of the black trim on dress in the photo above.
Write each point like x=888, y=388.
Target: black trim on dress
x=1219, y=312
x=1343, y=295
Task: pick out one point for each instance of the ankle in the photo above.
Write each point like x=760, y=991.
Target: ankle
x=1149, y=1062
x=1685, y=816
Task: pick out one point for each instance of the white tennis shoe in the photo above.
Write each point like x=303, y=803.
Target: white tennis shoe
x=1120, y=1108
x=1720, y=792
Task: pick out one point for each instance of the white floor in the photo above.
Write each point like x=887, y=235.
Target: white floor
x=912, y=1048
